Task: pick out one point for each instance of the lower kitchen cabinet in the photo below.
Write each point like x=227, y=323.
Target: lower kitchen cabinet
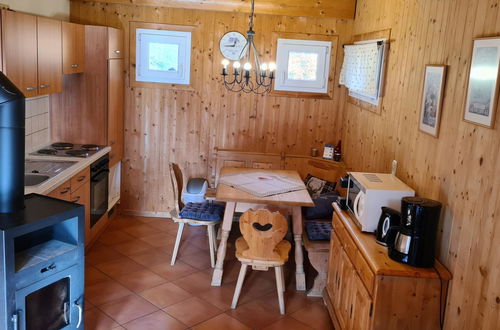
x=77, y=190
x=367, y=290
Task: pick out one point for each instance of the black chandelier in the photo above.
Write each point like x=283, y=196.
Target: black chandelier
x=242, y=79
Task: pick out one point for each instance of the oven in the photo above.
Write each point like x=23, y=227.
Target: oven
x=99, y=178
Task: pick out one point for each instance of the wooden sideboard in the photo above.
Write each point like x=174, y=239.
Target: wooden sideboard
x=367, y=290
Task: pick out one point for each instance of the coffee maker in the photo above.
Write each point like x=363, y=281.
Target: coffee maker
x=414, y=241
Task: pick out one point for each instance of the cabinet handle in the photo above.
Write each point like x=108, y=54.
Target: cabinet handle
x=74, y=66
x=29, y=89
x=112, y=143
x=117, y=51
x=44, y=86
x=65, y=191
x=350, y=314
x=75, y=200
x=81, y=178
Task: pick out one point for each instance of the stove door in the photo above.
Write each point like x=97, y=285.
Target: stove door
x=53, y=303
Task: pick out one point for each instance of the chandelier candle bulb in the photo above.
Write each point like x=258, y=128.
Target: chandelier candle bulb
x=247, y=66
x=225, y=63
x=272, y=66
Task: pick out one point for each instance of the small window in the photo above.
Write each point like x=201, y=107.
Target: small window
x=303, y=65
x=163, y=56
x=366, y=74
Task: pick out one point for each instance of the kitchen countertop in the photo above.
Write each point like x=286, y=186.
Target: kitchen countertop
x=65, y=175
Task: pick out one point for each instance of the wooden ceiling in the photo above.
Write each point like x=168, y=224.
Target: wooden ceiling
x=311, y=8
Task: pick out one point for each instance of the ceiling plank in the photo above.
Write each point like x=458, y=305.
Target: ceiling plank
x=311, y=8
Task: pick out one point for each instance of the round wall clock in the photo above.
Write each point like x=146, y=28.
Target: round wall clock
x=231, y=44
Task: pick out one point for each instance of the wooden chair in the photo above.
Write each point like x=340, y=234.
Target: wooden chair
x=262, y=246
x=177, y=185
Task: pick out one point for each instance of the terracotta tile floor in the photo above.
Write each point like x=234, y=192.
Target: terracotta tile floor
x=130, y=284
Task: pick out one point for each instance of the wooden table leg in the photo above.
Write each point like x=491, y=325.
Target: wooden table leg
x=300, y=276
x=221, y=252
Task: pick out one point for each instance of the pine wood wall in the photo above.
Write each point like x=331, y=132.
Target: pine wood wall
x=164, y=125
x=461, y=168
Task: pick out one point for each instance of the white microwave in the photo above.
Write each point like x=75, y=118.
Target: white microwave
x=368, y=192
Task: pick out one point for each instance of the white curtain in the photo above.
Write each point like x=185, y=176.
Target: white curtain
x=359, y=71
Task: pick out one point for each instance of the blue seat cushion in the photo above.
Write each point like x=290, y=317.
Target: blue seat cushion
x=322, y=208
x=318, y=231
x=202, y=211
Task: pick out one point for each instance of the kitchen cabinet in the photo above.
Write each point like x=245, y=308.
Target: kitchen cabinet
x=116, y=87
x=365, y=289
x=73, y=48
x=32, y=52
x=77, y=190
x=93, y=102
x=115, y=43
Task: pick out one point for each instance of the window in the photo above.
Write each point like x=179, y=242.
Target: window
x=366, y=79
x=163, y=56
x=303, y=65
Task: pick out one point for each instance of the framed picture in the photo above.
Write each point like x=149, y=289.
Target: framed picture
x=482, y=91
x=432, y=98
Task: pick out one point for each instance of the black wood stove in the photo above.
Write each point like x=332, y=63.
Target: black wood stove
x=42, y=265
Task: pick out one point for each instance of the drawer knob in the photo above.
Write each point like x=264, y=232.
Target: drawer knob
x=81, y=178
x=46, y=269
x=76, y=200
x=29, y=89
x=74, y=66
x=65, y=191
x=117, y=51
x=44, y=86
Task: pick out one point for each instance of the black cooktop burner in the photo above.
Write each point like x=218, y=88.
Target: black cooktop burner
x=77, y=153
x=62, y=146
x=90, y=147
x=47, y=151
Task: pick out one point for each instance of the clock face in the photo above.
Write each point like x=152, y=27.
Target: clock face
x=231, y=45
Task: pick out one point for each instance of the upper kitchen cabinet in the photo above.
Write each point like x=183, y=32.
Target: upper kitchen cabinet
x=19, y=46
x=115, y=43
x=32, y=54
x=49, y=40
x=73, y=48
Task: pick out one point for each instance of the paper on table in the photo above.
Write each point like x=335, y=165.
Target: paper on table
x=261, y=184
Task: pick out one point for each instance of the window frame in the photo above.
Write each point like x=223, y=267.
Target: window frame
x=321, y=48
x=145, y=37
x=333, y=38
x=195, y=75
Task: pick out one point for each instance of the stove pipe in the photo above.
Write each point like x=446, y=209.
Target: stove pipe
x=12, y=131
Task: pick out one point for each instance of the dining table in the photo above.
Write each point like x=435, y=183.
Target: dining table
x=288, y=203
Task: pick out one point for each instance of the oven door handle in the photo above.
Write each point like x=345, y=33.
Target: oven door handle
x=80, y=313
x=95, y=177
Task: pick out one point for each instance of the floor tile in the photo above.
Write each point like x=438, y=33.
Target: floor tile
x=173, y=273
x=140, y=280
x=195, y=283
x=220, y=297
x=199, y=260
x=193, y=311
x=128, y=308
x=93, y=276
x=104, y=292
x=101, y=254
x=287, y=323
x=159, y=240
x=119, y=267
x=150, y=257
x=131, y=247
x=256, y=284
x=165, y=295
x=255, y=314
x=222, y=321
x=88, y=305
x=294, y=300
x=114, y=237
x=140, y=230
x=97, y=320
x=186, y=249
x=156, y=321
x=315, y=315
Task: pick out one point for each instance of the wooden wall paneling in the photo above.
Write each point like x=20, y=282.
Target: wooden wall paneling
x=458, y=167
x=331, y=8
x=190, y=124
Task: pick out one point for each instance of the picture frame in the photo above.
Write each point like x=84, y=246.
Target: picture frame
x=482, y=87
x=432, y=99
